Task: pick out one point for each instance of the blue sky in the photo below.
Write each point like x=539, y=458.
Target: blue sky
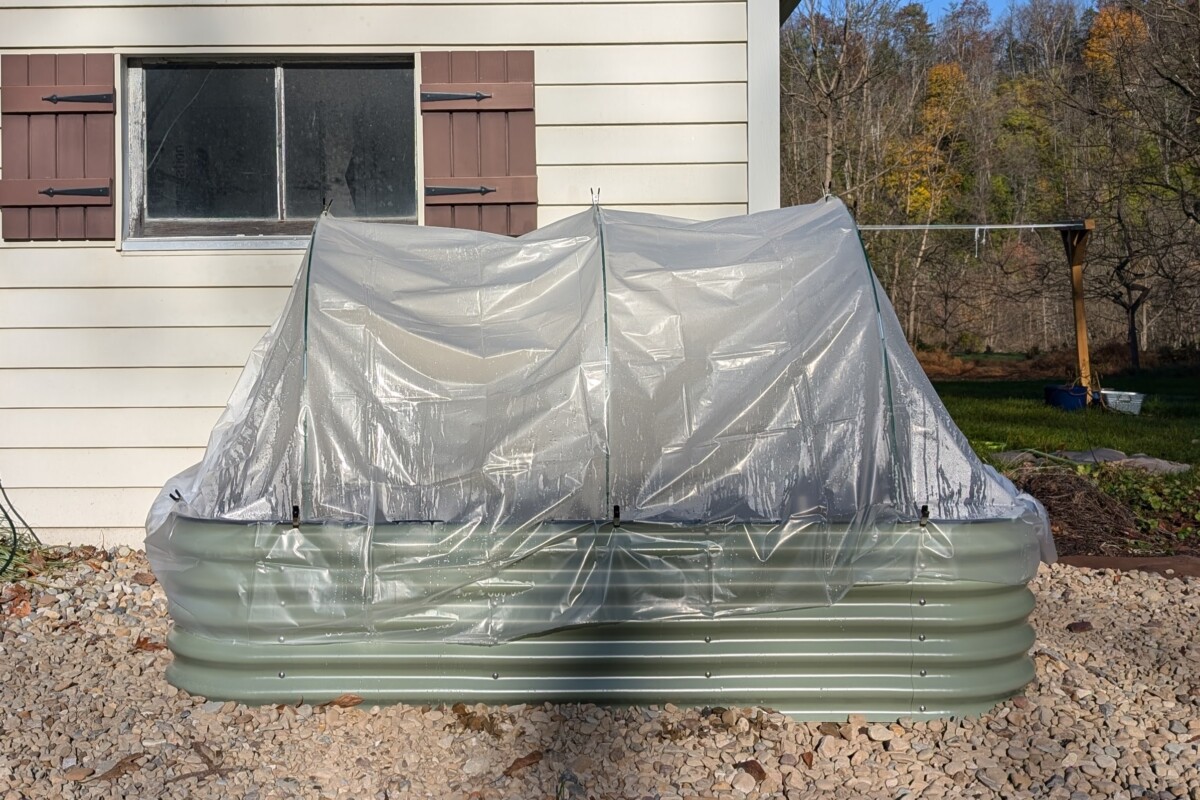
x=935, y=8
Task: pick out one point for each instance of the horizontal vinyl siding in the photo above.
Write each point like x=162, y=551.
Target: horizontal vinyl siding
x=72, y=428
x=643, y=104
x=660, y=184
x=108, y=468
x=84, y=508
x=85, y=4
x=166, y=387
x=175, y=307
x=698, y=212
x=640, y=144
x=508, y=25
x=114, y=366
x=66, y=265
x=34, y=348
x=113, y=369
x=719, y=62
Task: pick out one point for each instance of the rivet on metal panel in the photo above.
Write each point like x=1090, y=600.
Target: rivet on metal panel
x=283, y=674
x=921, y=601
x=495, y=676
x=707, y=674
x=707, y=639
x=921, y=565
x=923, y=673
x=922, y=708
x=281, y=640
x=921, y=637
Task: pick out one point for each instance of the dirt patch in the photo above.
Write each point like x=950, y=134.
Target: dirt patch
x=1053, y=365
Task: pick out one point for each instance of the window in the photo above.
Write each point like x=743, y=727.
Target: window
x=262, y=147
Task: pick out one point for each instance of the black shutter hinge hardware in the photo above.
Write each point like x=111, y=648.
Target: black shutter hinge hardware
x=924, y=516
x=79, y=98
x=440, y=191
x=439, y=97
x=616, y=516
x=96, y=191
x=295, y=516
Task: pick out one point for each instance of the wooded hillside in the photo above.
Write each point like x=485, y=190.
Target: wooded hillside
x=1055, y=111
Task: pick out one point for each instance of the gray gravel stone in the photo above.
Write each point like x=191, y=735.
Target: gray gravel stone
x=1110, y=713
x=744, y=783
x=880, y=733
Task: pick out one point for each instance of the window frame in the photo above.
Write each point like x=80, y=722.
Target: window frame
x=138, y=233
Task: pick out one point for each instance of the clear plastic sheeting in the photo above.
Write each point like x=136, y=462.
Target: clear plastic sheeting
x=453, y=435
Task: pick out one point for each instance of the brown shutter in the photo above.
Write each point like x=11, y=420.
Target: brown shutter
x=477, y=114
x=56, y=180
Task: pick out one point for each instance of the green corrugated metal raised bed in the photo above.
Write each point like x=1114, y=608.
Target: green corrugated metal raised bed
x=926, y=648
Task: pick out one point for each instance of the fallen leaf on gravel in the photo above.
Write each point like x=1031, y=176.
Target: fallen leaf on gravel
x=78, y=773
x=148, y=645
x=21, y=610
x=807, y=758
x=207, y=756
x=145, y=578
x=210, y=759
x=126, y=764
x=753, y=769
x=1082, y=626
x=523, y=762
x=343, y=701
x=830, y=729
x=472, y=720
x=36, y=562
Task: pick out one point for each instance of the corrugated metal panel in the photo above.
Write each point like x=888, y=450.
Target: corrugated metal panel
x=927, y=648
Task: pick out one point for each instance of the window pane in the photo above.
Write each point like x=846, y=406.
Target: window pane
x=349, y=140
x=210, y=142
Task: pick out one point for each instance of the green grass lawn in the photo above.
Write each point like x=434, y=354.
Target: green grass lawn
x=1010, y=415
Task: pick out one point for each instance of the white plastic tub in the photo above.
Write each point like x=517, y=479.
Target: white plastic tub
x=1125, y=402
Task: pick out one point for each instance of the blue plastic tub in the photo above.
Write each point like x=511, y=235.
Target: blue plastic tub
x=1066, y=397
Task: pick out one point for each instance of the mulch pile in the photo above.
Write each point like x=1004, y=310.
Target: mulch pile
x=1092, y=529
x=1083, y=519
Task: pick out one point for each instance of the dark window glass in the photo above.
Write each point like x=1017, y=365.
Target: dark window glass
x=210, y=142
x=349, y=140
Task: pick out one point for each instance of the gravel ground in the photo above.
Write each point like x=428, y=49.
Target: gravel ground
x=1114, y=712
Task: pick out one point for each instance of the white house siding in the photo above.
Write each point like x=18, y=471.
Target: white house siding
x=114, y=365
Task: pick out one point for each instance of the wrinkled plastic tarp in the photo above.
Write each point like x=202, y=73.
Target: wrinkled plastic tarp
x=739, y=391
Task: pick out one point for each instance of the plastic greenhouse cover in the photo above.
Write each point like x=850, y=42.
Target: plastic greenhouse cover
x=617, y=417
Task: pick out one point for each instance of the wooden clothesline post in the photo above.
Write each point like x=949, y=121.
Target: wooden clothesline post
x=1075, y=238
x=1075, y=241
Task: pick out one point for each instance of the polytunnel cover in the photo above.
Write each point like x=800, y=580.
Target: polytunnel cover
x=458, y=435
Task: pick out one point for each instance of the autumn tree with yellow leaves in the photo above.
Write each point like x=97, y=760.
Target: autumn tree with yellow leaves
x=1054, y=111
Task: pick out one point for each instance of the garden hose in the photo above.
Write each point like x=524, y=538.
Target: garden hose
x=9, y=507
x=8, y=510
x=12, y=550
